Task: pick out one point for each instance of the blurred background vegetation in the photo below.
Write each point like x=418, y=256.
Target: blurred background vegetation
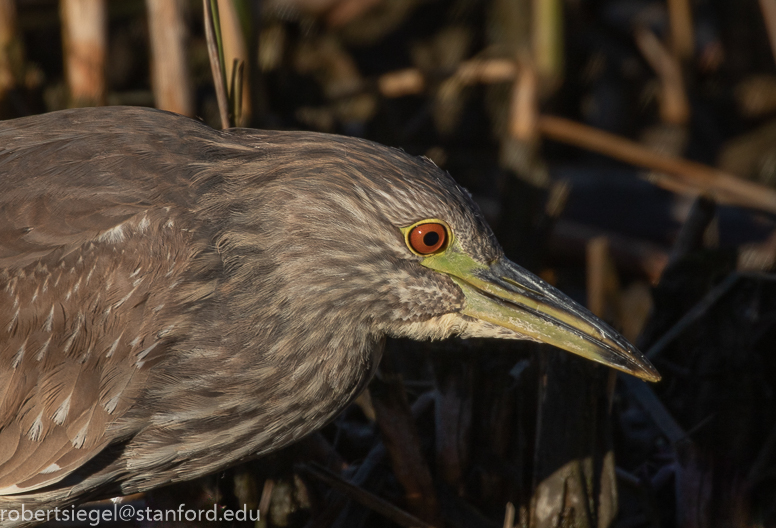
x=625, y=150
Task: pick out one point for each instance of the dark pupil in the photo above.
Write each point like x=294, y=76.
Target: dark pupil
x=430, y=238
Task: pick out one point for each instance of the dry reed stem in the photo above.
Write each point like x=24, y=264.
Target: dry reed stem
x=215, y=65
x=365, y=498
x=85, y=35
x=453, y=424
x=602, y=282
x=682, y=34
x=674, y=105
x=649, y=401
x=695, y=313
x=400, y=83
x=8, y=38
x=681, y=175
x=170, y=75
x=509, y=516
x=235, y=48
x=757, y=256
x=411, y=81
x=639, y=256
x=691, y=235
x=397, y=427
x=266, y=496
x=524, y=107
x=547, y=42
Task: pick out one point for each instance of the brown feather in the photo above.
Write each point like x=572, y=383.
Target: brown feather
x=175, y=299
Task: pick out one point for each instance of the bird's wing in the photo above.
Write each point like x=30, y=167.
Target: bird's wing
x=91, y=245
x=69, y=176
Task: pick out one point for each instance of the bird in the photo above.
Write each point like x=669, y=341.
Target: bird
x=176, y=299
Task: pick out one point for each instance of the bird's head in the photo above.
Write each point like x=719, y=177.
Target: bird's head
x=390, y=242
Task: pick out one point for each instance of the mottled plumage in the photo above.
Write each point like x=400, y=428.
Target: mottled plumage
x=174, y=299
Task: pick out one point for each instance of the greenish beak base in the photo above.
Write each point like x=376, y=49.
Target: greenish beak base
x=507, y=295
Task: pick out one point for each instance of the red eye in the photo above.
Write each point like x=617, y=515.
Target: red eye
x=428, y=238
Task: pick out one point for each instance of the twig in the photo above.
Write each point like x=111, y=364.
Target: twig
x=317, y=449
x=695, y=313
x=412, y=81
x=367, y=468
x=365, y=498
x=394, y=418
x=453, y=421
x=683, y=175
x=628, y=478
x=266, y=496
x=487, y=71
x=340, y=512
x=409, y=81
x=654, y=408
x=364, y=402
x=216, y=65
x=690, y=237
x=674, y=105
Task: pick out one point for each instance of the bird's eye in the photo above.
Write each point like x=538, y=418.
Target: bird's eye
x=429, y=238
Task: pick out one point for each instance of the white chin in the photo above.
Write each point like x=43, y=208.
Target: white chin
x=454, y=324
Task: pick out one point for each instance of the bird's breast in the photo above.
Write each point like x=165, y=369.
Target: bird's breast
x=245, y=400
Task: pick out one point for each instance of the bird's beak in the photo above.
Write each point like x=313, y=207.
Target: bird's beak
x=506, y=295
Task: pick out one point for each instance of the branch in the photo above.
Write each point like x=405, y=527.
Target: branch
x=687, y=177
